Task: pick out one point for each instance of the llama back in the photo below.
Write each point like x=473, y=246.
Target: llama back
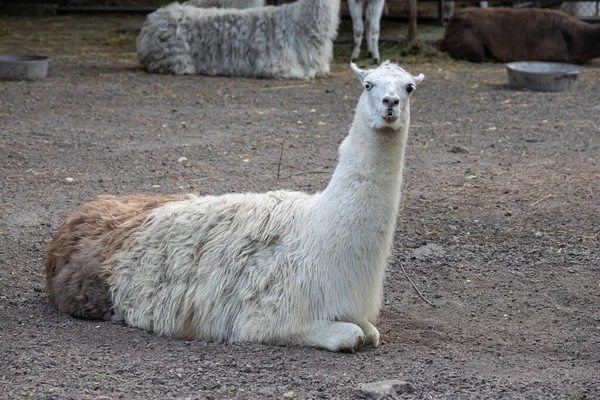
x=213, y=268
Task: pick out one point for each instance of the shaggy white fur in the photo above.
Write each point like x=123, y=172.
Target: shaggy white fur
x=225, y=3
x=372, y=22
x=289, y=41
x=280, y=267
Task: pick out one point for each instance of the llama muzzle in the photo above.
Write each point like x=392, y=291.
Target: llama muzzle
x=391, y=114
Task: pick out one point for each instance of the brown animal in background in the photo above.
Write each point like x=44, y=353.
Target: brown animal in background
x=507, y=35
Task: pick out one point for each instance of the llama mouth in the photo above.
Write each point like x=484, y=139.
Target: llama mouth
x=390, y=118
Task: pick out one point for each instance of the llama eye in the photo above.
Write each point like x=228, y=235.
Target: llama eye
x=410, y=88
x=368, y=85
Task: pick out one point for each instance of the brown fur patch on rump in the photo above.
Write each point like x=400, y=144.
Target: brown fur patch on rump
x=79, y=259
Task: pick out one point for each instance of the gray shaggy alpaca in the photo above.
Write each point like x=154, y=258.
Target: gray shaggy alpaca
x=289, y=41
x=225, y=3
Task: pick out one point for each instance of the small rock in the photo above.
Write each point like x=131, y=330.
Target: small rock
x=390, y=389
x=267, y=392
x=289, y=395
x=429, y=250
x=182, y=159
x=460, y=150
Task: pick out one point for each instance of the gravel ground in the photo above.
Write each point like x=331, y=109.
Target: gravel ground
x=499, y=224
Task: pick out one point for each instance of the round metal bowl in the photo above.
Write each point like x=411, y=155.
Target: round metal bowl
x=542, y=76
x=23, y=67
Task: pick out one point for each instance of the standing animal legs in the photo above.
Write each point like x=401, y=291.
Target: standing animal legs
x=335, y=336
x=374, y=13
x=356, y=12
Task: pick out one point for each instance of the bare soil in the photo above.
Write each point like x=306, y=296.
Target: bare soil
x=506, y=182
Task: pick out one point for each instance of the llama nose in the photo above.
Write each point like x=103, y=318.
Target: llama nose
x=390, y=100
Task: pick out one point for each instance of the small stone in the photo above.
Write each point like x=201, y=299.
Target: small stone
x=459, y=150
x=267, y=392
x=181, y=159
x=389, y=389
x=289, y=395
x=248, y=368
x=427, y=251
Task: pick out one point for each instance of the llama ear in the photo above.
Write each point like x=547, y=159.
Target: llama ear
x=361, y=74
x=419, y=78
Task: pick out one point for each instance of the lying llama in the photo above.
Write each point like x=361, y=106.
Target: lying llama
x=288, y=41
x=506, y=35
x=277, y=268
x=225, y=3
x=372, y=22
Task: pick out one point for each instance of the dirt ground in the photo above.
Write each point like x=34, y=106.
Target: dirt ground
x=506, y=183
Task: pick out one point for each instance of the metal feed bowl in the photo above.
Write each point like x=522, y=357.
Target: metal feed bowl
x=23, y=67
x=542, y=76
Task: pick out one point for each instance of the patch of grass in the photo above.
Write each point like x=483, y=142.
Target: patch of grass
x=415, y=51
x=120, y=41
x=108, y=38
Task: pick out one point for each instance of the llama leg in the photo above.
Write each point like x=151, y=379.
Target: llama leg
x=335, y=336
x=356, y=12
x=371, y=333
x=375, y=11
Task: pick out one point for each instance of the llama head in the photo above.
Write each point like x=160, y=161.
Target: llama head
x=384, y=102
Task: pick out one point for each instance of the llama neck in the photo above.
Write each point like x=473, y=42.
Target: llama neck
x=354, y=219
x=364, y=192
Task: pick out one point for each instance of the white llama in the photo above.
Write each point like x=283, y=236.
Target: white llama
x=289, y=41
x=277, y=268
x=372, y=22
x=225, y=3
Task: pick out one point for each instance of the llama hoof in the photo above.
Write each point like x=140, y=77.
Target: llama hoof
x=376, y=60
x=371, y=334
x=336, y=336
x=352, y=345
x=351, y=340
